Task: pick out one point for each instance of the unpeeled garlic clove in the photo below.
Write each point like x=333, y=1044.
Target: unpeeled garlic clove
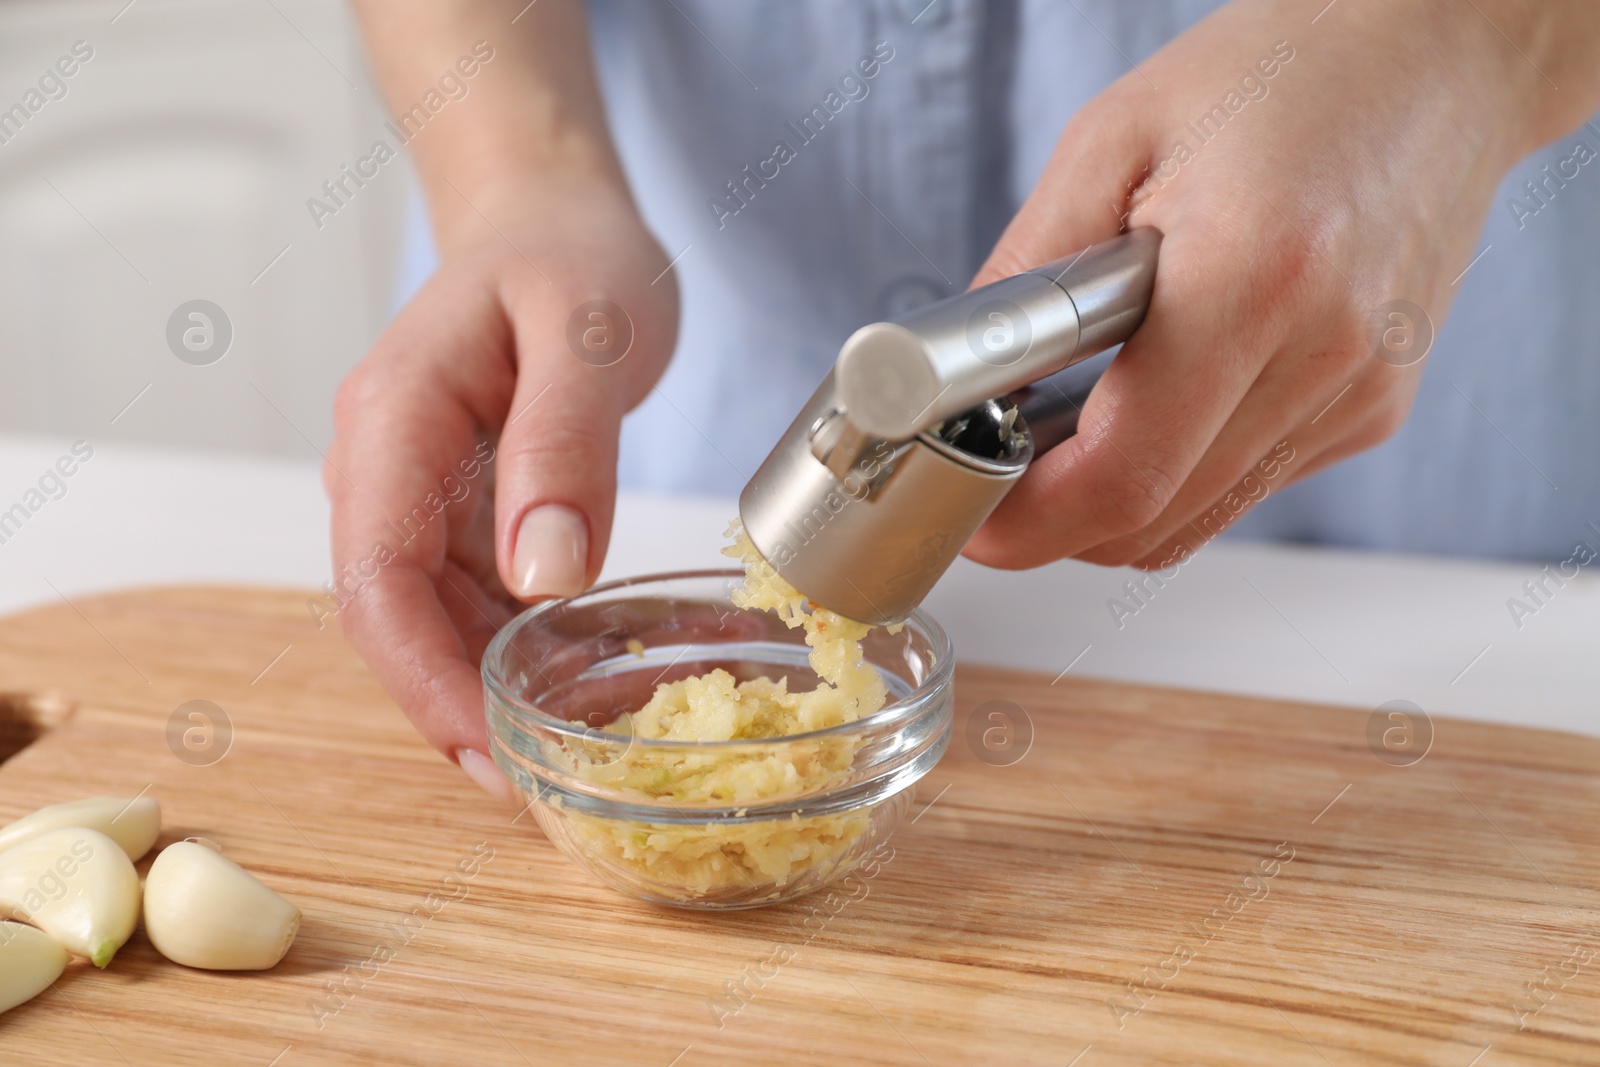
x=75, y=884
x=203, y=910
x=30, y=960
x=133, y=824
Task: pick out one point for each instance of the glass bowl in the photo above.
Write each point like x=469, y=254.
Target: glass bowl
x=793, y=813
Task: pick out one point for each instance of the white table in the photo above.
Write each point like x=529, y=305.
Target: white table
x=1300, y=623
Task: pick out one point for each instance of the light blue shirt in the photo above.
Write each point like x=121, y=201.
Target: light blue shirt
x=892, y=190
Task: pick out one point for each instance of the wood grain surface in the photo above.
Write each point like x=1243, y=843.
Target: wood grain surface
x=1163, y=877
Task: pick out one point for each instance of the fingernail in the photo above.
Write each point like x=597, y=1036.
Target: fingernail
x=552, y=553
x=481, y=769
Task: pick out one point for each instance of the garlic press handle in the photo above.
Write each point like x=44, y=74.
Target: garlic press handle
x=897, y=378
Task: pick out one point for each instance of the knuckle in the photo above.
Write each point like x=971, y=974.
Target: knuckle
x=1389, y=417
x=353, y=396
x=1296, y=258
x=1348, y=336
x=565, y=446
x=1299, y=265
x=1092, y=129
x=1006, y=544
x=1135, y=500
x=1307, y=249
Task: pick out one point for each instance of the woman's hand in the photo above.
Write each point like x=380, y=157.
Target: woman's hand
x=504, y=356
x=1304, y=175
x=552, y=313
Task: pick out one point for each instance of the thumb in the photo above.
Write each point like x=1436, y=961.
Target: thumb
x=556, y=468
x=1083, y=196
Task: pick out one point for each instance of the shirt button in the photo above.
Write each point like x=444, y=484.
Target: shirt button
x=907, y=294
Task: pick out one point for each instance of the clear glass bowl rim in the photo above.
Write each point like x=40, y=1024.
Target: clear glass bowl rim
x=910, y=705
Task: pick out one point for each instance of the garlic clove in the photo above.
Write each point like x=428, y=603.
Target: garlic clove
x=75, y=884
x=30, y=960
x=203, y=910
x=133, y=824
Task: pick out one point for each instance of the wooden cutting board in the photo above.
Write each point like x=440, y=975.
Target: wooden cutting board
x=1163, y=877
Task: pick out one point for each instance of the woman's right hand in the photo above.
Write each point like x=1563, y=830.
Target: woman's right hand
x=474, y=462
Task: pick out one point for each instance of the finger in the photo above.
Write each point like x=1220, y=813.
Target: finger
x=417, y=654
x=1303, y=452
x=406, y=455
x=1293, y=396
x=1374, y=429
x=1151, y=417
x=476, y=614
x=1082, y=197
x=555, y=490
x=410, y=417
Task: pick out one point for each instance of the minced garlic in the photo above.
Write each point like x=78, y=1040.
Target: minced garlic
x=700, y=859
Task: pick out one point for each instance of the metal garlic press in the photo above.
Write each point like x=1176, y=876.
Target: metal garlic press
x=925, y=423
